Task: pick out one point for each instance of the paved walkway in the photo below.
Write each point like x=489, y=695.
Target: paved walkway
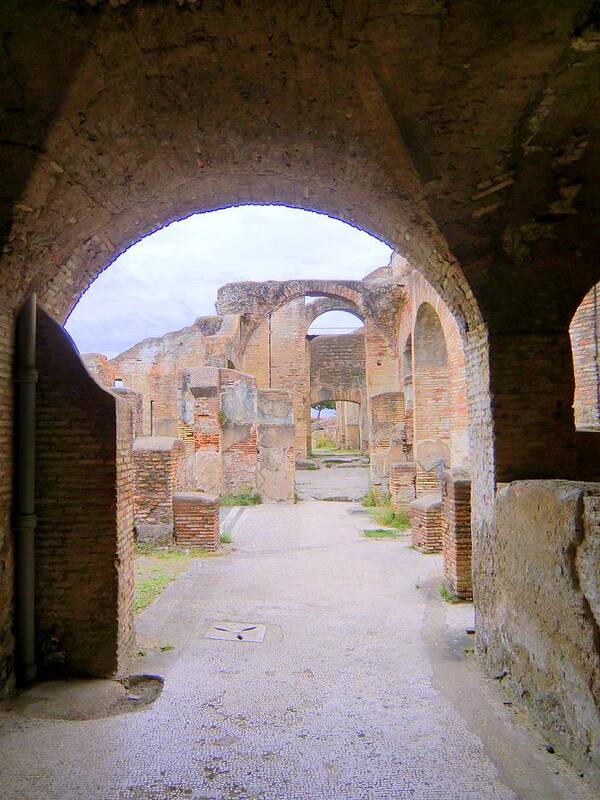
x=333, y=483
x=361, y=689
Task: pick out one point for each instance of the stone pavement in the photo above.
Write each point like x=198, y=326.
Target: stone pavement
x=332, y=483
x=361, y=689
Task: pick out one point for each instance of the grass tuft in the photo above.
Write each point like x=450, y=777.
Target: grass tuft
x=447, y=595
x=381, y=533
x=241, y=499
x=148, y=589
x=226, y=538
x=386, y=516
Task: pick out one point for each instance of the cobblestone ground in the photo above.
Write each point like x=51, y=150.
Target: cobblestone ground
x=361, y=689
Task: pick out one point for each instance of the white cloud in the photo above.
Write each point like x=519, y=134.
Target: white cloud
x=167, y=280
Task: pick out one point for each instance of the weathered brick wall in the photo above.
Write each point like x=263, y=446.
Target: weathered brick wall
x=418, y=292
x=100, y=368
x=159, y=470
x=84, y=538
x=196, y=518
x=584, y=331
x=156, y=368
x=135, y=400
x=337, y=364
x=432, y=396
x=456, y=535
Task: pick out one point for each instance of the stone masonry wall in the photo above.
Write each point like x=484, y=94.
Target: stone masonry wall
x=544, y=609
x=84, y=498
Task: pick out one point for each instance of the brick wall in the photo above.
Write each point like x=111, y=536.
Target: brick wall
x=84, y=539
x=337, y=364
x=196, y=518
x=159, y=470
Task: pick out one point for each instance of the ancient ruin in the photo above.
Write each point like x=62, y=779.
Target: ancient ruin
x=463, y=135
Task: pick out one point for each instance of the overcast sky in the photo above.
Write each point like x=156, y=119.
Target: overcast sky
x=167, y=280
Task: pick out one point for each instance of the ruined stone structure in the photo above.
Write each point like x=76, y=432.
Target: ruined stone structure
x=465, y=135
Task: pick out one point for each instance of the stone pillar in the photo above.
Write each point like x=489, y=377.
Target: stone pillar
x=238, y=431
x=402, y=485
x=196, y=518
x=456, y=534
x=276, y=452
x=158, y=462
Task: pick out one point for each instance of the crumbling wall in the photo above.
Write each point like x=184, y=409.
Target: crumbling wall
x=543, y=625
x=84, y=502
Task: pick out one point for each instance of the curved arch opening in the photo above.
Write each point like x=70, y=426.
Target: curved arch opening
x=336, y=322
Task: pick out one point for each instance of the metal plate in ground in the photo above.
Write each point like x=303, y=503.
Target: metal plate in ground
x=236, y=631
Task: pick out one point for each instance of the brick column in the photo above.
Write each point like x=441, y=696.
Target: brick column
x=456, y=535
x=196, y=518
x=426, y=523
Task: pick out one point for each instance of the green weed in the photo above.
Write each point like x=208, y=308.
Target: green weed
x=241, y=499
x=381, y=533
x=447, y=595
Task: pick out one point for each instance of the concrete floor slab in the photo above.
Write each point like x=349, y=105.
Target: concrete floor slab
x=362, y=689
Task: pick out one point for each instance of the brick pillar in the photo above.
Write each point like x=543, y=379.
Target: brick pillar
x=196, y=518
x=456, y=535
x=426, y=523
x=402, y=485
